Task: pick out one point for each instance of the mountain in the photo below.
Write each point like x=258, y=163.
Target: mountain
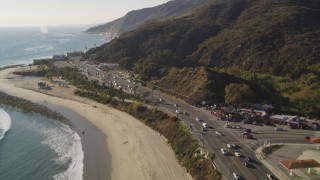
x=137, y=17
x=278, y=37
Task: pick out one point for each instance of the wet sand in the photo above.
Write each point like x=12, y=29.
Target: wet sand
x=133, y=150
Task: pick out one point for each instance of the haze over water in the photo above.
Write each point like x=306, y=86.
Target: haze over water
x=20, y=45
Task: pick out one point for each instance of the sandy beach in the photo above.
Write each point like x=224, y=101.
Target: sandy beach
x=116, y=145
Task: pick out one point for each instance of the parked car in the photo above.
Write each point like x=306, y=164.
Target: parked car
x=246, y=164
x=218, y=133
x=177, y=111
x=236, y=176
x=197, y=119
x=247, y=130
x=185, y=113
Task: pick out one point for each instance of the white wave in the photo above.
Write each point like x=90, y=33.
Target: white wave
x=5, y=123
x=59, y=35
x=63, y=41
x=42, y=48
x=67, y=144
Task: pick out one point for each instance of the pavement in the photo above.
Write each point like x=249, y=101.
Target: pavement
x=291, y=151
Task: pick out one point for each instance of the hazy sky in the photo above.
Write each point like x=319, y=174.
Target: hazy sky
x=53, y=12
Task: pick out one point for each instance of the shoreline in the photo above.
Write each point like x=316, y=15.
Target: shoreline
x=133, y=147
x=92, y=143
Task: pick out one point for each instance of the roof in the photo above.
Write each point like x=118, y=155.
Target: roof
x=314, y=139
x=299, y=164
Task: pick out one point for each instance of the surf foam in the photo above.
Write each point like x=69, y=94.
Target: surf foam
x=67, y=144
x=5, y=123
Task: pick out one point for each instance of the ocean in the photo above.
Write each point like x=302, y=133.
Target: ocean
x=20, y=45
x=33, y=146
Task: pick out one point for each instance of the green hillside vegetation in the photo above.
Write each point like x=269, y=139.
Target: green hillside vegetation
x=138, y=17
x=271, y=46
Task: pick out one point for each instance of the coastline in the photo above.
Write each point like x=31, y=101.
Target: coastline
x=135, y=150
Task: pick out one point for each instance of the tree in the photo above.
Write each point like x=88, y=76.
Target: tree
x=238, y=93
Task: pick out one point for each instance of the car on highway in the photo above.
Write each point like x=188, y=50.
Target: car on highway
x=271, y=177
x=237, y=154
x=247, y=159
x=178, y=112
x=236, y=176
x=205, y=125
x=278, y=129
x=223, y=151
x=231, y=146
x=218, y=133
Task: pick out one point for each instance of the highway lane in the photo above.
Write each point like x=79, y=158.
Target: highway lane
x=212, y=141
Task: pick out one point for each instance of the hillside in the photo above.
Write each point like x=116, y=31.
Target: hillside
x=137, y=17
x=272, y=46
x=261, y=35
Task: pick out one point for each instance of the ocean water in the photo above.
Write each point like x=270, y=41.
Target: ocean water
x=35, y=147
x=20, y=45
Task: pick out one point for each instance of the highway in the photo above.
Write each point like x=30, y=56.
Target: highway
x=226, y=164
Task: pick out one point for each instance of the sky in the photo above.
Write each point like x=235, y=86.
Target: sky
x=67, y=12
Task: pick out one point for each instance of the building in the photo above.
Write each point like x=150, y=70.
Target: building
x=74, y=54
x=295, y=122
x=41, y=61
x=59, y=57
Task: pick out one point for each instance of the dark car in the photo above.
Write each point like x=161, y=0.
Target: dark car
x=248, y=159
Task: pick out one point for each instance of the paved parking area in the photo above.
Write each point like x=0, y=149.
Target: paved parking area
x=295, y=152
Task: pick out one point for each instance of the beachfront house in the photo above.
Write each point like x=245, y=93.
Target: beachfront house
x=59, y=57
x=41, y=61
x=74, y=54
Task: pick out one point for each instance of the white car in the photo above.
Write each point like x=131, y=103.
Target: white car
x=231, y=146
x=236, y=176
x=197, y=119
x=270, y=176
x=218, y=133
x=205, y=125
x=177, y=111
x=175, y=105
x=237, y=154
x=278, y=129
x=161, y=100
x=224, y=152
